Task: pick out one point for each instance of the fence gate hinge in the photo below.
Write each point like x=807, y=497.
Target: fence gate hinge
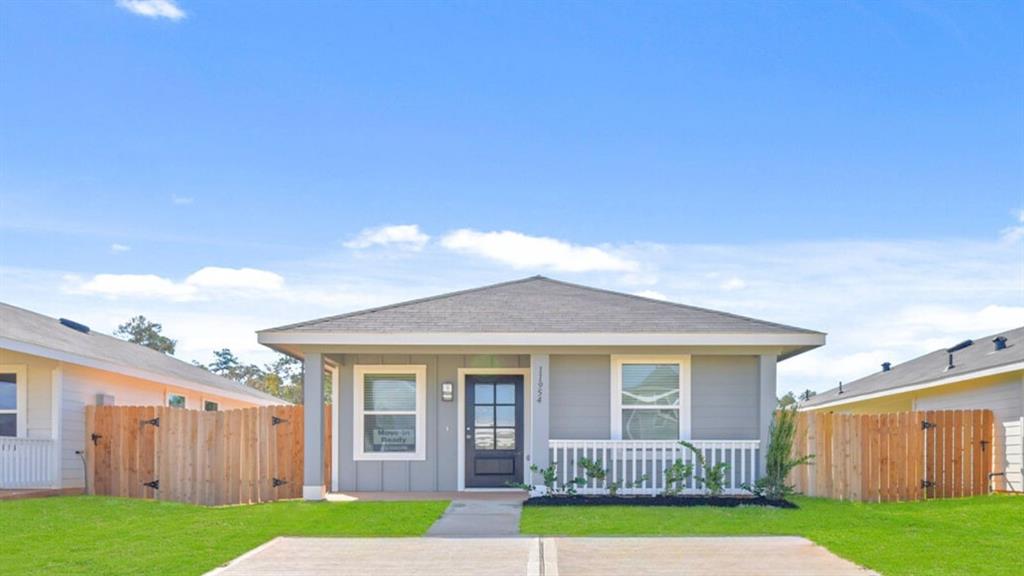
x=96, y=439
x=278, y=482
x=154, y=422
x=155, y=484
x=927, y=484
x=926, y=425
x=274, y=420
x=984, y=443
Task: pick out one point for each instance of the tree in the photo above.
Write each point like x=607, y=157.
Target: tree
x=141, y=331
x=787, y=400
x=281, y=378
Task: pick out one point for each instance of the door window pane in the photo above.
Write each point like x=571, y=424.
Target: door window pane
x=389, y=392
x=505, y=394
x=8, y=391
x=389, y=433
x=506, y=416
x=650, y=424
x=483, y=394
x=484, y=438
x=506, y=439
x=650, y=385
x=484, y=416
x=8, y=424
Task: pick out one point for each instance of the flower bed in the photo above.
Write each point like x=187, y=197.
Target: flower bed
x=682, y=501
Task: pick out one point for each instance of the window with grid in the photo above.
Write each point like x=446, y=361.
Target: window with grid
x=494, y=416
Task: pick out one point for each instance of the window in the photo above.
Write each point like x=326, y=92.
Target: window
x=13, y=384
x=650, y=397
x=390, y=403
x=175, y=400
x=210, y=406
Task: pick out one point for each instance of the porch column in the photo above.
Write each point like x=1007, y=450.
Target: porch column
x=313, y=415
x=768, y=403
x=540, y=379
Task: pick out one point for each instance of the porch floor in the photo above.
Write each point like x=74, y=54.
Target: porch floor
x=485, y=496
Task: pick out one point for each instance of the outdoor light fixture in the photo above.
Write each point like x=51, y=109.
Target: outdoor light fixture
x=447, y=391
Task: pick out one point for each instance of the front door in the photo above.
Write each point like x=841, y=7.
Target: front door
x=494, y=431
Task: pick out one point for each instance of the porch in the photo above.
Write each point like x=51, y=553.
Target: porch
x=28, y=463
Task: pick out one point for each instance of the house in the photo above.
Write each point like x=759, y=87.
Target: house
x=51, y=369
x=467, y=390
x=974, y=374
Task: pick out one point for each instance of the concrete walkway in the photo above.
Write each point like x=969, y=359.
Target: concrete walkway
x=764, y=556
x=479, y=519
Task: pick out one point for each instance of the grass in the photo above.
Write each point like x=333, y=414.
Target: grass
x=981, y=535
x=98, y=535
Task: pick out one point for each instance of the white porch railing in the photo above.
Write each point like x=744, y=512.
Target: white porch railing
x=27, y=462
x=638, y=466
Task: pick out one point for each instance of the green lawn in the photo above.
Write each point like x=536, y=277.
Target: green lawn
x=97, y=535
x=981, y=535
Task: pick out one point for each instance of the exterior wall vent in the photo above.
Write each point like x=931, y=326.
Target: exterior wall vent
x=75, y=325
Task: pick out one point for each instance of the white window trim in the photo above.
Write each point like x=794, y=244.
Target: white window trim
x=359, y=372
x=167, y=400
x=685, y=406
x=20, y=411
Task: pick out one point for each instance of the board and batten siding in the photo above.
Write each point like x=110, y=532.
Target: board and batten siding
x=438, y=472
x=723, y=393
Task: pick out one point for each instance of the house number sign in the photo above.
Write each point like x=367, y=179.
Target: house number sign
x=540, y=385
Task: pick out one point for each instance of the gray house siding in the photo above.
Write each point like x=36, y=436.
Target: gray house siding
x=724, y=391
x=724, y=395
x=580, y=393
x=438, y=472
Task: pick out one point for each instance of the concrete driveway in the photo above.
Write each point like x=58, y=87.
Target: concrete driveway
x=769, y=556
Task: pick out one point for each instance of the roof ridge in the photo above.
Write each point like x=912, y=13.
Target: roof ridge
x=402, y=303
x=679, y=305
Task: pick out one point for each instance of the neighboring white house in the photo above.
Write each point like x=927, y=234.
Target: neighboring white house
x=467, y=390
x=51, y=369
x=975, y=374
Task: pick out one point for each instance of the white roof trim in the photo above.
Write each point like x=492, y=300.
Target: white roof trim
x=538, y=339
x=921, y=386
x=43, y=351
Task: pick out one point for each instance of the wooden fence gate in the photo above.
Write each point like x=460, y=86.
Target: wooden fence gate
x=210, y=458
x=898, y=456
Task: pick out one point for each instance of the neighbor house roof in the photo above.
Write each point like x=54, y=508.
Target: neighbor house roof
x=31, y=333
x=978, y=359
x=531, y=306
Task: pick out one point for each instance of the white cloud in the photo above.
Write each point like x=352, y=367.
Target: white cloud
x=118, y=248
x=733, y=283
x=181, y=200
x=522, y=251
x=651, y=294
x=404, y=236
x=206, y=283
x=153, y=8
x=245, y=278
x=1014, y=234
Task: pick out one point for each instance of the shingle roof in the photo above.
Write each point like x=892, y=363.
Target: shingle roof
x=543, y=305
x=20, y=325
x=981, y=355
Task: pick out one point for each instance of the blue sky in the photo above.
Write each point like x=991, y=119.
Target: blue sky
x=221, y=167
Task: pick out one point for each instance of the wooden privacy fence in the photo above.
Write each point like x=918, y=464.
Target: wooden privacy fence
x=210, y=458
x=898, y=456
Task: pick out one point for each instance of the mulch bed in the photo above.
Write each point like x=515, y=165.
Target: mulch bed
x=718, y=501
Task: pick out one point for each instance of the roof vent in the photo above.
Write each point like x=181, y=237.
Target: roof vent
x=886, y=366
x=1000, y=342
x=960, y=346
x=75, y=325
x=840, y=387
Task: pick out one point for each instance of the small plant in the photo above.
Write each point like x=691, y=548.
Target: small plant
x=521, y=486
x=614, y=487
x=594, y=469
x=713, y=479
x=779, y=460
x=549, y=475
x=676, y=476
x=569, y=488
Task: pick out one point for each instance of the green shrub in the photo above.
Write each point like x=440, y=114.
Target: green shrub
x=779, y=461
